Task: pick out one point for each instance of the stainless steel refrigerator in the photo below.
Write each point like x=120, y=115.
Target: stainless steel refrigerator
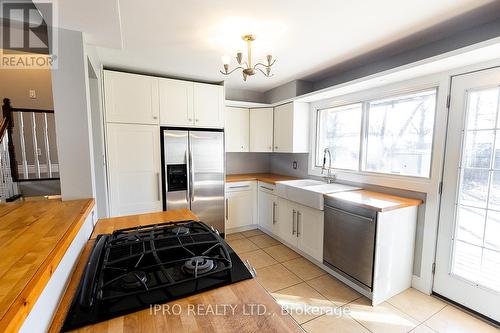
x=193, y=172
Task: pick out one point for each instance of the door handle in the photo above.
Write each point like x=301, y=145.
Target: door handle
x=188, y=192
x=299, y=214
x=274, y=212
x=227, y=208
x=293, y=222
x=158, y=185
x=267, y=188
x=191, y=170
x=239, y=186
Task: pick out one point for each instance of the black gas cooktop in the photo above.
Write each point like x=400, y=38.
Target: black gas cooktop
x=134, y=268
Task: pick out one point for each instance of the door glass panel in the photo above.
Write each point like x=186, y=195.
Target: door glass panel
x=476, y=255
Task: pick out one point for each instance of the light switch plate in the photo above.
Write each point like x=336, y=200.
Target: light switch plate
x=32, y=93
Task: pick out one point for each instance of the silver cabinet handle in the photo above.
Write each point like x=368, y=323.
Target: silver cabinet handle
x=239, y=186
x=227, y=208
x=274, y=212
x=293, y=221
x=267, y=188
x=299, y=214
x=159, y=185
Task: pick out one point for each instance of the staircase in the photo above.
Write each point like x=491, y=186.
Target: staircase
x=8, y=187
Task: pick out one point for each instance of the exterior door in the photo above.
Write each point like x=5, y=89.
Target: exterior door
x=468, y=249
x=207, y=176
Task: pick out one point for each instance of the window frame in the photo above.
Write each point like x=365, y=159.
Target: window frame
x=316, y=146
x=365, y=101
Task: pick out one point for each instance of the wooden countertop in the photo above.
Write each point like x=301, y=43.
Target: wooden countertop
x=34, y=236
x=240, y=295
x=108, y=225
x=379, y=202
x=270, y=178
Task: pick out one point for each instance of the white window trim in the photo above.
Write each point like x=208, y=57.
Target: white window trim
x=413, y=183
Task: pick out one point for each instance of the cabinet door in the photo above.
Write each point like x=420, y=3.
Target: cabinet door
x=208, y=105
x=131, y=98
x=239, y=209
x=283, y=128
x=268, y=211
x=310, y=224
x=176, y=102
x=237, y=129
x=134, y=168
x=261, y=130
x=287, y=213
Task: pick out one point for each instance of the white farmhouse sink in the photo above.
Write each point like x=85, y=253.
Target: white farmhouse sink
x=309, y=192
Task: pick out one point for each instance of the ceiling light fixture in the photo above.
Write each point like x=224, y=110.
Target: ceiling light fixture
x=246, y=66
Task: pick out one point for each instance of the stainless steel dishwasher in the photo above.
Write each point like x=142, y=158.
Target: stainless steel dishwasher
x=349, y=241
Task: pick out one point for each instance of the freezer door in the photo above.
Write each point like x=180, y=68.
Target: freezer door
x=176, y=169
x=207, y=176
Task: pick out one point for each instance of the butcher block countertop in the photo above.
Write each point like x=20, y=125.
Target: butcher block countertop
x=202, y=312
x=379, y=202
x=270, y=178
x=34, y=236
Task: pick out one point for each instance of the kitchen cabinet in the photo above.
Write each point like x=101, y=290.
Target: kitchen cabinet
x=131, y=98
x=208, y=104
x=261, y=129
x=301, y=227
x=291, y=128
x=267, y=208
x=133, y=168
x=176, y=102
x=241, y=206
x=237, y=129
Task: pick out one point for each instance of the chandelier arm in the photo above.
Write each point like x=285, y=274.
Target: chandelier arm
x=264, y=72
x=232, y=71
x=261, y=64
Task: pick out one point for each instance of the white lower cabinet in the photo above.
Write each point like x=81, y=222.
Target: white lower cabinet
x=240, y=205
x=301, y=227
x=268, y=210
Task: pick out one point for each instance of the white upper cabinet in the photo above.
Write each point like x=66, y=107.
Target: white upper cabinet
x=176, y=102
x=131, y=98
x=291, y=128
x=208, y=105
x=261, y=130
x=237, y=129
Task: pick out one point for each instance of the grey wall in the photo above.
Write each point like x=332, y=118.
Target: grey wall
x=245, y=95
x=247, y=162
x=71, y=109
x=287, y=91
x=282, y=163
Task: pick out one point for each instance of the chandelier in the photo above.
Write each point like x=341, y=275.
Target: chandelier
x=246, y=66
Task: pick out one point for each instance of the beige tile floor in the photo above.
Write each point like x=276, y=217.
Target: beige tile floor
x=331, y=306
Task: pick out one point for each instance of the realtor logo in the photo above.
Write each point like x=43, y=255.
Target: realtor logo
x=28, y=40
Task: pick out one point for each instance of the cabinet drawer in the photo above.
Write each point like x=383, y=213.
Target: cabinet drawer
x=267, y=187
x=240, y=186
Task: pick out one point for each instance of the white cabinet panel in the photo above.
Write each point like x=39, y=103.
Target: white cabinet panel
x=208, y=105
x=134, y=168
x=261, y=129
x=131, y=98
x=287, y=221
x=239, y=209
x=268, y=211
x=310, y=223
x=237, y=129
x=291, y=128
x=176, y=102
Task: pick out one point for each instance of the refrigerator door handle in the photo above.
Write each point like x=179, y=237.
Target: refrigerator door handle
x=188, y=191
x=191, y=171
x=158, y=181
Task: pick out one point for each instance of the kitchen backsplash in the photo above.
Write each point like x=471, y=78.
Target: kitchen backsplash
x=247, y=162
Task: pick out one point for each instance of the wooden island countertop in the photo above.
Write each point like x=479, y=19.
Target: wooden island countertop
x=376, y=201
x=34, y=235
x=270, y=178
x=192, y=314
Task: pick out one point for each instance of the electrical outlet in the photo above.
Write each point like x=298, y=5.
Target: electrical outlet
x=32, y=93
x=294, y=165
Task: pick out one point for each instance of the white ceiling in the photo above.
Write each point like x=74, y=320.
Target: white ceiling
x=187, y=38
